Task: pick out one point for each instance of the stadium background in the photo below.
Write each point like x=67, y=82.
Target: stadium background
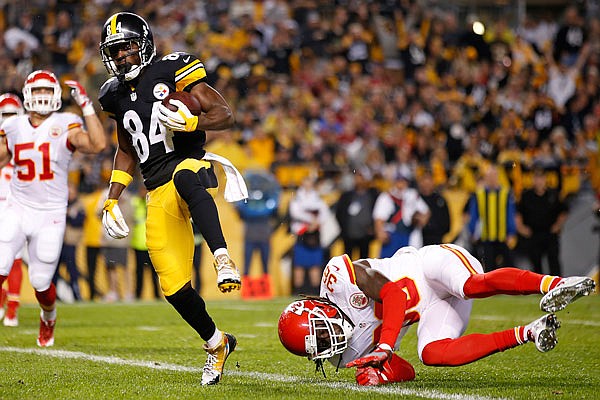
x=286, y=67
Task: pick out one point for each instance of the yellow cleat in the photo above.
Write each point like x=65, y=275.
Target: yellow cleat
x=213, y=368
x=228, y=277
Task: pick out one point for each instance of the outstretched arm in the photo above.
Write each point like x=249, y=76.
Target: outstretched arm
x=94, y=140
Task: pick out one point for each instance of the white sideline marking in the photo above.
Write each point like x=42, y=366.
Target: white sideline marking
x=65, y=354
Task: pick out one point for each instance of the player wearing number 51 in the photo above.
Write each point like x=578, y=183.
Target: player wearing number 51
x=41, y=144
x=169, y=147
x=366, y=307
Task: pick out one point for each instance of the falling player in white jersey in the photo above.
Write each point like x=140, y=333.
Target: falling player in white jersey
x=10, y=105
x=366, y=307
x=40, y=144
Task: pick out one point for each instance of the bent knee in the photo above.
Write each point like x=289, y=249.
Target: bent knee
x=433, y=354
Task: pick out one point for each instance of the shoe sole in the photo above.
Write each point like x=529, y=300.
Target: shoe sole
x=229, y=285
x=547, y=339
x=558, y=298
x=231, y=344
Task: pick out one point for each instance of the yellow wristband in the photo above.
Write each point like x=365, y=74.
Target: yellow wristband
x=122, y=177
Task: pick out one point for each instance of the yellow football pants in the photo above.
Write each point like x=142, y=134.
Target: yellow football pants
x=169, y=234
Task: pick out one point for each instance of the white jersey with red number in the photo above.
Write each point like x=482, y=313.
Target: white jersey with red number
x=41, y=157
x=5, y=176
x=432, y=279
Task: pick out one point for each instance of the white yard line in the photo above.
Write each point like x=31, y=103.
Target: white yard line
x=262, y=376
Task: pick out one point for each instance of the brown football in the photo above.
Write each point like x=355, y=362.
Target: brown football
x=186, y=98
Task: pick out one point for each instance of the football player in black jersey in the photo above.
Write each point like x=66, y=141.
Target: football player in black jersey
x=169, y=149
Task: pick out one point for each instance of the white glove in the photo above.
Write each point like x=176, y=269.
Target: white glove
x=113, y=220
x=180, y=120
x=81, y=97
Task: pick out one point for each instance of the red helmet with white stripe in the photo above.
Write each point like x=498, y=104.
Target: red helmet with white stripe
x=10, y=105
x=42, y=103
x=314, y=328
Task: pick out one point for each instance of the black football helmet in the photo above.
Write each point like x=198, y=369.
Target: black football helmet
x=120, y=30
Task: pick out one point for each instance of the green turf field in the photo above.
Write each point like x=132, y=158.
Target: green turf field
x=145, y=351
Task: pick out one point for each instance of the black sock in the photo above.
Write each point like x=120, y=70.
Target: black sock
x=192, y=308
x=203, y=209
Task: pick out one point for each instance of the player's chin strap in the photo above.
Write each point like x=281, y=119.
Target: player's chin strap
x=319, y=366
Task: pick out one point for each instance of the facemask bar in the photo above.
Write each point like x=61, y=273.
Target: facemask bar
x=42, y=103
x=319, y=322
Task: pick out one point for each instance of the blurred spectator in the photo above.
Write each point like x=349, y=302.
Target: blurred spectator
x=258, y=213
x=21, y=35
x=307, y=211
x=277, y=58
x=562, y=76
x=92, y=236
x=541, y=215
x=357, y=46
x=570, y=37
x=138, y=244
x=314, y=36
x=58, y=39
x=491, y=213
x=116, y=255
x=73, y=237
x=439, y=222
x=354, y=213
x=399, y=214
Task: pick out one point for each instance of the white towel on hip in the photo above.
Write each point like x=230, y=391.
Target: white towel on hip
x=235, y=187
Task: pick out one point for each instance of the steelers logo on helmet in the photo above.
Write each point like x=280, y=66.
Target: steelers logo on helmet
x=126, y=46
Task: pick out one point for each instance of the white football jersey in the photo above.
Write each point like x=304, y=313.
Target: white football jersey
x=5, y=176
x=339, y=286
x=41, y=157
x=432, y=278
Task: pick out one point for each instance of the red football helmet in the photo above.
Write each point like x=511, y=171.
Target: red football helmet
x=42, y=103
x=10, y=105
x=314, y=328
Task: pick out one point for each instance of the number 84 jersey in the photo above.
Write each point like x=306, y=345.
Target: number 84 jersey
x=41, y=156
x=339, y=286
x=134, y=106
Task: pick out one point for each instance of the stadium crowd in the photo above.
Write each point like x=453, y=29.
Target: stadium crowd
x=393, y=89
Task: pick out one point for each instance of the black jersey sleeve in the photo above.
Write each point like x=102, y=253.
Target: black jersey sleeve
x=107, y=96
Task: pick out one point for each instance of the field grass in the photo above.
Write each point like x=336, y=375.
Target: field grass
x=145, y=351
